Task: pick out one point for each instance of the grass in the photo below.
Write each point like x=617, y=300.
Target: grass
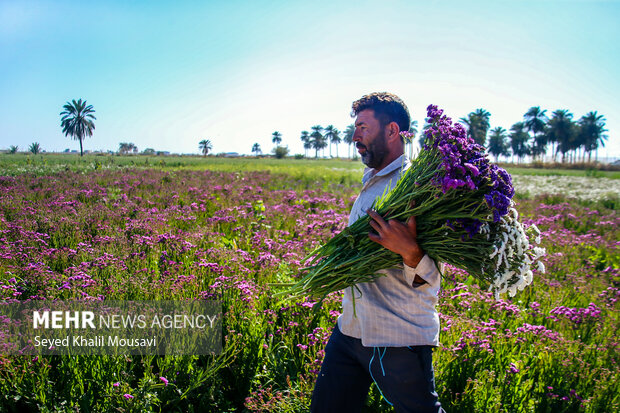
x=342, y=169
x=592, y=173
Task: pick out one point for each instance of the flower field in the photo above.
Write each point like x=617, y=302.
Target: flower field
x=579, y=187
x=161, y=234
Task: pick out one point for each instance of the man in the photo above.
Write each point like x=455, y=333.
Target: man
x=389, y=337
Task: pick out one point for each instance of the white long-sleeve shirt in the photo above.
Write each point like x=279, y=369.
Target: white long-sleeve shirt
x=391, y=311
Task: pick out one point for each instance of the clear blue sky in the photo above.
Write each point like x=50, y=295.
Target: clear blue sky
x=166, y=75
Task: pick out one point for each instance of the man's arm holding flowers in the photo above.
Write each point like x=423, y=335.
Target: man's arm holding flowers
x=401, y=238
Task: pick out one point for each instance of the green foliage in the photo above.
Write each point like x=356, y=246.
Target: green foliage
x=317, y=140
x=519, y=140
x=497, y=143
x=280, y=152
x=126, y=147
x=593, y=173
x=320, y=169
x=602, y=259
x=591, y=132
x=477, y=124
x=276, y=138
x=34, y=148
x=536, y=123
x=205, y=146
x=558, y=170
x=77, y=121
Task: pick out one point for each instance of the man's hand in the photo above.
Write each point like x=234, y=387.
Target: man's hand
x=397, y=237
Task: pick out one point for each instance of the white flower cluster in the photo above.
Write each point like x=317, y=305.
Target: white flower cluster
x=580, y=187
x=514, y=254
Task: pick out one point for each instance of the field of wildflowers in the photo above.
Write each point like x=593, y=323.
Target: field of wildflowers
x=152, y=233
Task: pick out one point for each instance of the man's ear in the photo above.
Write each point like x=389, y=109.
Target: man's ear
x=393, y=131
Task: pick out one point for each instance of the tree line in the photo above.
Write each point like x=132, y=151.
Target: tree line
x=574, y=140
x=319, y=139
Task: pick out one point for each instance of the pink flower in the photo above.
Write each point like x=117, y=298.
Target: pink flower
x=165, y=380
x=127, y=396
x=116, y=384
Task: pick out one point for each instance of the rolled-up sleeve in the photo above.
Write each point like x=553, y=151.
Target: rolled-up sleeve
x=426, y=269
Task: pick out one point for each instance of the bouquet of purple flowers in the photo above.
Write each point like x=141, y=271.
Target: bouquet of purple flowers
x=462, y=204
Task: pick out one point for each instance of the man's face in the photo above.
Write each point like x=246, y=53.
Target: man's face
x=370, y=139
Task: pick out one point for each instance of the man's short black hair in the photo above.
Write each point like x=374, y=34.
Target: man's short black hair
x=387, y=107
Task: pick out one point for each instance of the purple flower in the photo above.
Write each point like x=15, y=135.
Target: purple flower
x=578, y=315
x=474, y=171
x=465, y=165
x=513, y=368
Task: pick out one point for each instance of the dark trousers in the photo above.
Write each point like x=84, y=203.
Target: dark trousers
x=404, y=376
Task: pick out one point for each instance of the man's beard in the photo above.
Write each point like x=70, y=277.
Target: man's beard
x=376, y=151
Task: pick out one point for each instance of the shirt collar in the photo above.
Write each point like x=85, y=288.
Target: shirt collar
x=401, y=162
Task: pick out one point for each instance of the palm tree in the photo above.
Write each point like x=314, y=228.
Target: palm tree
x=126, y=147
x=276, y=138
x=305, y=138
x=518, y=141
x=468, y=122
x=307, y=147
x=35, y=148
x=592, y=133
x=536, y=122
x=318, y=140
x=562, y=130
x=256, y=149
x=348, y=136
x=328, y=135
x=77, y=121
x=336, y=139
x=497, y=143
x=13, y=149
x=478, y=124
x=205, y=146
x=333, y=136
